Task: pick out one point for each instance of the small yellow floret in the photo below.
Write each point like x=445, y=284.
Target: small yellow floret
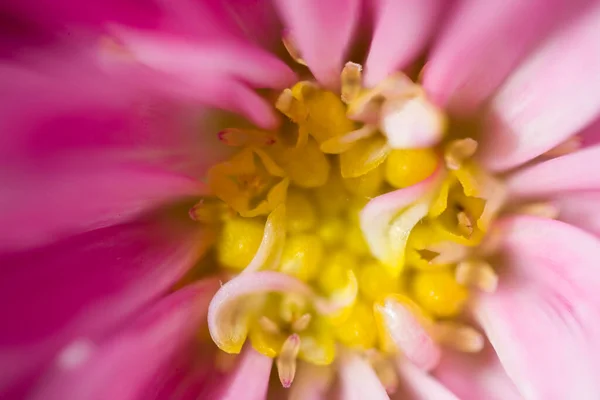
x=406, y=167
x=302, y=256
x=333, y=274
x=366, y=185
x=439, y=293
x=300, y=212
x=376, y=282
x=238, y=242
x=355, y=241
x=331, y=231
x=358, y=330
x=266, y=343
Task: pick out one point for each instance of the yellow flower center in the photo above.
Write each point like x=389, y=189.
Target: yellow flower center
x=290, y=201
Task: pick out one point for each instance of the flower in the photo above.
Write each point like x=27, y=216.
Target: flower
x=372, y=224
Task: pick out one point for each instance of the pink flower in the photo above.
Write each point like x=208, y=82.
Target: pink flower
x=477, y=278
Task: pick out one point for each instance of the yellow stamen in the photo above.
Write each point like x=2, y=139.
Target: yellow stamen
x=459, y=336
x=477, y=273
x=458, y=151
x=351, y=81
x=239, y=241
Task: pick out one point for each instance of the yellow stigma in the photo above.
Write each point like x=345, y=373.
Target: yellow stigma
x=291, y=202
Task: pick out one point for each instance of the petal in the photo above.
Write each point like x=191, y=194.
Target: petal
x=419, y=385
x=475, y=376
x=357, y=380
x=483, y=42
x=569, y=173
x=84, y=286
x=551, y=96
x=249, y=380
x=550, y=346
x=39, y=207
x=377, y=216
x=402, y=29
x=311, y=382
x=228, y=325
x=581, y=210
x=322, y=32
x=124, y=366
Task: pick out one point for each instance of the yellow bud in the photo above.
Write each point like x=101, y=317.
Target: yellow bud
x=375, y=281
x=406, y=167
x=439, y=293
x=300, y=213
x=264, y=342
x=355, y=241
x=358, y=330
x=238, y=242
x=302, y=255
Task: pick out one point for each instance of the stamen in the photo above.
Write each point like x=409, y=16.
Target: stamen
x=340, y=144
x=542, y=209
x=458, y=151
x=351, y=81
x=268, y=325
x=290, y=106
x=301, y=323
x=286, y=362
x=250, y=137
x=459, y=336
x=465, y=225
x=477, y=273
x=291, y=48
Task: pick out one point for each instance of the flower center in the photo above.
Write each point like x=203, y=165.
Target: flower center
x=293, y=201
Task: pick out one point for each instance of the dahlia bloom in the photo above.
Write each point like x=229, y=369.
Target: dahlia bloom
x=300, y=199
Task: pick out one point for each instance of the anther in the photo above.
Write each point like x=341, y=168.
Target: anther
x=286, y=362
x=477, y=273
x=465, y=225
x=351, y=82
x=301, y=323
x=459, y=336
x=268, y=325
x=458, y=151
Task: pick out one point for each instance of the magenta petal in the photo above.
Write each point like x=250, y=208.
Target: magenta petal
x=549, y=98
x=82, y=287
x=249, y=380
x=483, y=42
x=38, y=208
x=402, y=29
x=570, y=173
x=550, y=348
x=322, y=32
x=125, y=365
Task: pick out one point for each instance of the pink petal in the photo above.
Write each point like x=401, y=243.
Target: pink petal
x=552, y=95
x=419, y=385
x=249, y=380
x=83, y=287
x=483, y=42
x=124, y=366
x=312, y=382
x=407, y=333
x=357, y=380
x=322, y=32
x=569, y=173
x=376, y=217
x=402, y=29
x=550, y=346
x=581, y=210
x=475, y=376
